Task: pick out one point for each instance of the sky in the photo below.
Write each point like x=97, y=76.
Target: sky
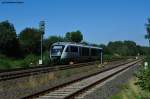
x=100, y=21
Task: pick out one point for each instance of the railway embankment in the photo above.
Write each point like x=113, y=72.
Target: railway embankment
x=25, y=86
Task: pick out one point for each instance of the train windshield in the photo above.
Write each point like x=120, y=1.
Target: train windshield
x=57, y=49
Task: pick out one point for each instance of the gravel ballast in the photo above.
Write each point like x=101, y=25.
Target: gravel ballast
x=113, y=86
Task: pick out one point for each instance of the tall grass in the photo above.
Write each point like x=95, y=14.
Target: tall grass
x=108, y=58
x=131, y=91
x=29, y=61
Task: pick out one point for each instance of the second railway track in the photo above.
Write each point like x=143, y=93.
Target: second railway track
x=13, y=74
x=72, y=89
x=7, y=75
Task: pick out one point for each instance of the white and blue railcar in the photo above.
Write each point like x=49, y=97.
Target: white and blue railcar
x=74, y=52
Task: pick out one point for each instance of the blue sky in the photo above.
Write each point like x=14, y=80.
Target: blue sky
x=100, y=21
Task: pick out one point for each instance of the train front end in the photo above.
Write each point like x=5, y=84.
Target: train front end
x=56, y=52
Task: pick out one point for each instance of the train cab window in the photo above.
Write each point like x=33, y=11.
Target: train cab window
x=73, y=49
x=57, y=49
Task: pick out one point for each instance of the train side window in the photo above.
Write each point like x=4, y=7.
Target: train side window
x=94, y=52
x=80, y=51
x=85, y=51
x=73, y=49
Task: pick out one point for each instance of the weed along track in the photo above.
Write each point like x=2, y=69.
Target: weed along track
x=18, y=73
x=74, y=88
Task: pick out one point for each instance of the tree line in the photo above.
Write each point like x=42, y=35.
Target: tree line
x=29, y=39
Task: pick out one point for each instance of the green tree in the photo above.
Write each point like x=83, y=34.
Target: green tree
x=74, y=36
x=85, y=43
x=145, y=50
x=148, y=31
x=132, y=49
x=106, y=51
x=116, y=47
x=30, y=40
x=9, y=44
x=123, y=48
x=68, y=36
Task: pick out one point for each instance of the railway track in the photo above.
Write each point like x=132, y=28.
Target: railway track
x=18, y=73
x=12, y=74
x=70, y=90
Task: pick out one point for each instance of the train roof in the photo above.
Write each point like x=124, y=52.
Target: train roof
x=75, y=44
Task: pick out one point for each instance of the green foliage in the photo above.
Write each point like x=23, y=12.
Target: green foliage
x=144, y=74
x=4, y=64
x=30, y=40
x=31, y=60
x=116, y=47
x=144, y=77
x=123, y=48
x=10, y=63
x=106, y=51
x=46, y=58
x=74, y=36
x=9, y=44
x=131, y=91
x=143, y=50
x=131, y=48
x=85, y=43
x=108, y=58
x=68, y=36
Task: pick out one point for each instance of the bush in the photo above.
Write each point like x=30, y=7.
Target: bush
x=144, y=77
x=108, y=58
x=4, y=64
x=46, y=59
x=10, y=63
x=31, y=60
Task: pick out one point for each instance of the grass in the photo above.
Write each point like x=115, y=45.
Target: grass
x=10, y=63
x=74, y=71
x=108, y=58
x=131, y=91
x=29, y=61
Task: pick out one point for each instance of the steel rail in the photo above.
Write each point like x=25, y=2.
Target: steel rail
x=18, y=73
x=7, y=75
x=68, y=83
x=75, y=94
